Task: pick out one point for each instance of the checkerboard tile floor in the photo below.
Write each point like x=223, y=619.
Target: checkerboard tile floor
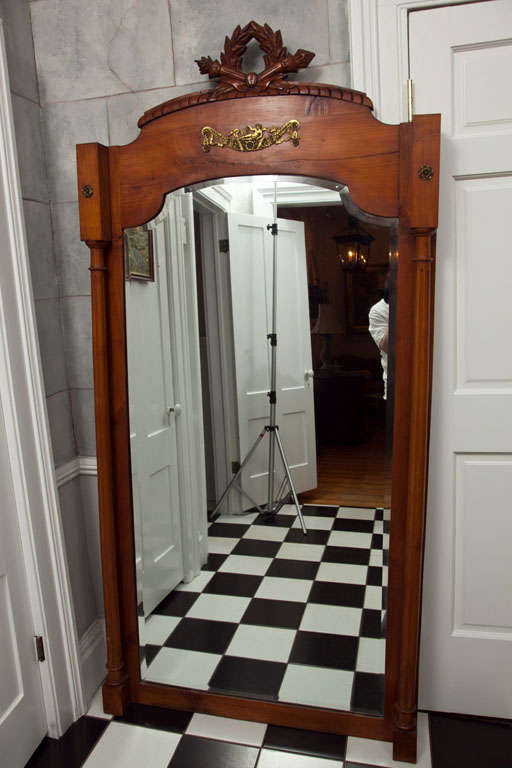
x=278, y=615
x=160, y=738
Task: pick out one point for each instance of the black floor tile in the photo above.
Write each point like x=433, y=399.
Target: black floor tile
x=214, y=562
x=379, y=514
x=371, y=624
x=257, y=548
x=347, y=524
x=374, y=576
x=196, y=752
x=312, y=510
x=318, y=649
x=385, y=557
x=292, y=569
x=150, y=651
x=237, y=584
x=323, y=745
x=176, y=604
x=330, y=593
x=274, y=613
x=312, y=537
x=202, y=635
x=355, y=555
x=387, y=526
x=156, y=717
x=228, y=530
x=377, y=541
x=368, y=693
x=72, y=749
x=248, y=676
x=278, y=521
x=470, y=742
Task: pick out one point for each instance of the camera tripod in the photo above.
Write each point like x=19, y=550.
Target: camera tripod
x=274, y=502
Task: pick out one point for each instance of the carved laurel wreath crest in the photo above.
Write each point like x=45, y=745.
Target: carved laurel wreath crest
x=278, y=62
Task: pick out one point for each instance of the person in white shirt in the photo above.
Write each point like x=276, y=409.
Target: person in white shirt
x=379, y=330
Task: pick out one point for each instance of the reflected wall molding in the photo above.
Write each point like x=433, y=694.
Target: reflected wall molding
x=79, y=465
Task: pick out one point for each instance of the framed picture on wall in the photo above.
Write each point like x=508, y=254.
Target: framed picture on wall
x=138, y=254
x=362, y=290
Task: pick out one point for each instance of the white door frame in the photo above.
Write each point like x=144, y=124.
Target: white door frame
x=379, y=50
x=29, y=447
x=212, y=204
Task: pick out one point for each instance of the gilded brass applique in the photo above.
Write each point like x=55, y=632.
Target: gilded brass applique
x=252, y=138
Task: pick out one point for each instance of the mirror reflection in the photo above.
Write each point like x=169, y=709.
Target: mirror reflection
x=260, y=338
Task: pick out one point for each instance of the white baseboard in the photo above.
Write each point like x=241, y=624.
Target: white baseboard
x=93, y=659
x=79, y=465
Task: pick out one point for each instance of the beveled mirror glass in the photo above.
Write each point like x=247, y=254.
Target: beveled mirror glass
x=232, y=599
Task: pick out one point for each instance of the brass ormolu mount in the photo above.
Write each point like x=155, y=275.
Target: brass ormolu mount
x=278, y=62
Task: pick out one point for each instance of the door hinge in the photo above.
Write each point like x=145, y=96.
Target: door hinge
x=224, y=246
x=410, y=99
x=39, y=646
x=235, y=466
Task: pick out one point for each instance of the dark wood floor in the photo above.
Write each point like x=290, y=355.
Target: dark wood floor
x=353, y=475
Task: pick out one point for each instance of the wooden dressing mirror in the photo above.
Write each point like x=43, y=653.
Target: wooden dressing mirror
x=262, y=266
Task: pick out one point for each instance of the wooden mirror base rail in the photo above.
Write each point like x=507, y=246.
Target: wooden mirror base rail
x=391, y=171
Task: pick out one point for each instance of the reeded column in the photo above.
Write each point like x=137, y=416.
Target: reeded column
x=114, y=686
x=404, y=741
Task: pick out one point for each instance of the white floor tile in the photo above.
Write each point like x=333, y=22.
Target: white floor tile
x=227, y=729
x=356, y=513
x=376, y=557
x=96, y=706
x=315, y=523
x=385, y=541
x=130, y=746
x=176, y=666
x=333, y=619
x=238, y=519
x=373, y=597
x=380, y=753
x=271, y=758
x=267, y=643
x=253, y=566
x=274, y=588
x=266, y=533
x=309, y=552
x=317, y=686
x=350, y=539
x=221, y=545
x=157, y=629
x=342, y=573
x=198, y=583
x=219, y=607
x=378, y=526
x=371, y=656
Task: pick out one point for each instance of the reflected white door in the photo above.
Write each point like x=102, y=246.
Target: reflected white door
x=22, y=714
x=156, y=498
x=250, y=254
x=461, y=59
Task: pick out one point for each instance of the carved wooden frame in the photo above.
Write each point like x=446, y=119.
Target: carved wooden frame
x=124, y=186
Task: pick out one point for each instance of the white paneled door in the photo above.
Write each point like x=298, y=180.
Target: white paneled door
x=461, y=60
x=250, y=253
x=22, y=716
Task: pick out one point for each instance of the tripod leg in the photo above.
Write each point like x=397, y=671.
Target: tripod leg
x=290, y=481
x=271, y=470
x=237, y=475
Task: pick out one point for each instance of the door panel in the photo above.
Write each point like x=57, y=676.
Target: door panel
x=251, y=286
x=460, y=63
x=153, y=430
x=22, y=715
